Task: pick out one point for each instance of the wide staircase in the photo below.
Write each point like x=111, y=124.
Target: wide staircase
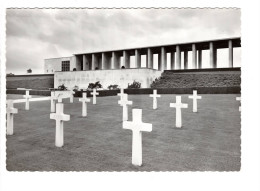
x=220, y=77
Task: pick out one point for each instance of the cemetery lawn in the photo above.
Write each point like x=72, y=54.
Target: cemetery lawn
x=208, y=141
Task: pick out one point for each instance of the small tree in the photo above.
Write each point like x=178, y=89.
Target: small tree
x=74, y=69
x=29, y=70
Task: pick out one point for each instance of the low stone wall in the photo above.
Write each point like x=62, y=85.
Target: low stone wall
x=120, y=77
x=32, y=92
x=40, y=82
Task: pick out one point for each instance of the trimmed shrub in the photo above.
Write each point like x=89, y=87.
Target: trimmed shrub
x=75, y=88
x=113, y=87
x=62, y=87
x=95, y=85
x=134, y=85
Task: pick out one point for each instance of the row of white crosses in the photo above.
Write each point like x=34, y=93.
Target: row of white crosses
x=178, y=105
x=137, y=126
x=10, y=111
x=59, y=116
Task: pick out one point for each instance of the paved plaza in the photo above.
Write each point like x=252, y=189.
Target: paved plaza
x=208, y=141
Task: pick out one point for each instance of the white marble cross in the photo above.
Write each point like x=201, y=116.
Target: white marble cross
x=94, y=93
x=31, y=100
x=26, y=96
x=239, y=99
x=71, y=96
x=155, y=96
x=59, y=116
x=194, y=97
x=53, y=97
x=137, y=126
x=59, y=97
x=10, y=111
x=84, y=101
x=124, y=103
x=121, y=93
x=178, y=105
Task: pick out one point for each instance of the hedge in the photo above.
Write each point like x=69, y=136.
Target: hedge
x=102, y=93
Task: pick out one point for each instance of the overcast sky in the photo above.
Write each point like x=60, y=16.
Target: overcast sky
x=36, y=34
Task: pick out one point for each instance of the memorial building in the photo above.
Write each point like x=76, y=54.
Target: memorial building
x=113, y=67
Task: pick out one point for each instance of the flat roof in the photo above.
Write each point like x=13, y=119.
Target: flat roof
x=58, y=57
x=167, y=45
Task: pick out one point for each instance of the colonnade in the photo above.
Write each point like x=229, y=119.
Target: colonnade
x=112, y=59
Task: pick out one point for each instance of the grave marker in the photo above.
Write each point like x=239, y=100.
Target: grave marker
x=239, y=99
x=121, y=93
x=53, y=97
x=124, y=103
x=10, y=111
x=94, y=93
x=84, y=101
x=178, y=105
x=194, y=97
x=137, y=126
x=71, y=96
x=31, y=100
x=60, y=117
x=59, y=97
x=26, y=96
x=154, y=96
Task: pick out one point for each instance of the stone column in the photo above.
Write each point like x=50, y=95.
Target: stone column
x=199, y=59
x=149, y=58
x=137, y=59
x=163, y=59
x=178, y=58
x=84, y=62
x=172, y=60
x=185, y=59
x=94, y=62
x=194, y=56
x=126, y=59
x=230, y=48
x=104, y=63
x=115, y=61
x=159, y=60
x=213, y=55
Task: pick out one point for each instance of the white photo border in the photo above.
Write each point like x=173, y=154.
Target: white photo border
x=247, y=179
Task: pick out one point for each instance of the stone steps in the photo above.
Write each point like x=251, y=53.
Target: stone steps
x=170, y=79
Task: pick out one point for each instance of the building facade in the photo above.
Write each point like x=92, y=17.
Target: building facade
x=98, y=66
